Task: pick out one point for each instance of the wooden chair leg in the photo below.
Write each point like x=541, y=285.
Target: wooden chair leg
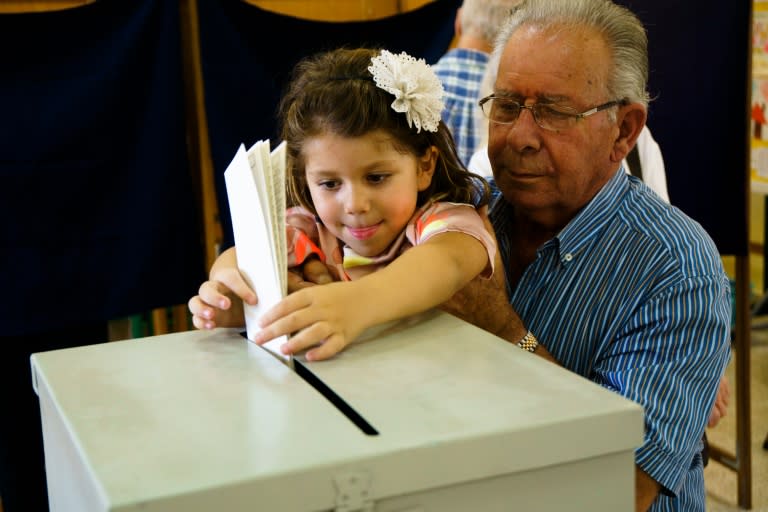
x=159, y=321
x=180, y=319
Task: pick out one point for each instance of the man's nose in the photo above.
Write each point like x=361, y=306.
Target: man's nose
x=524, y=134
x=522, y=118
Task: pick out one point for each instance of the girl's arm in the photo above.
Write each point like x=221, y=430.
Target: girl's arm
x=333, y=315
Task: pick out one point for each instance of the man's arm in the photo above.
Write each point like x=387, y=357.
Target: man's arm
x=485, y=304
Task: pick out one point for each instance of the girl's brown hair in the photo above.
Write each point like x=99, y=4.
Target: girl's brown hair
x=333, y=92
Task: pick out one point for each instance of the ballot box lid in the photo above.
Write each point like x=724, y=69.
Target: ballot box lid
x=198, y=417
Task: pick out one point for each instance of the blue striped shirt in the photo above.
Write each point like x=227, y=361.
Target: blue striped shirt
x=632, y=295
x=461, y=72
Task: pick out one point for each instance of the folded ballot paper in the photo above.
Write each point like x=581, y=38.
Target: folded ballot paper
x=256, y=190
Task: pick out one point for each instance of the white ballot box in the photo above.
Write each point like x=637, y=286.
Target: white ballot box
x=431, y=414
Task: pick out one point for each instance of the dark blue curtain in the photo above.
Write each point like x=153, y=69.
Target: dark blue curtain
x=699, y=55
x=99, y=217
x=248, y=53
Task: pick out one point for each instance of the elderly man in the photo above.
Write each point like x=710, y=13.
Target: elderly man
x=603, y=277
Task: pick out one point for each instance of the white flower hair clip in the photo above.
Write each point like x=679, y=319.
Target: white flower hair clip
x=417, y=90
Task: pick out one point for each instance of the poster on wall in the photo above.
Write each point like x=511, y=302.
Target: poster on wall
x=758, y=114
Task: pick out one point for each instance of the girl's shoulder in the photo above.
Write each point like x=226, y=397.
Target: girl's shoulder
x=446, y=208
x=438, y=216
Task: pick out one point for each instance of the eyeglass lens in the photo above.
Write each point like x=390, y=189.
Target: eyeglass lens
x=505, y=111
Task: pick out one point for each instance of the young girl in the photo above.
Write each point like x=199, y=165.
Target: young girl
x=383, y=200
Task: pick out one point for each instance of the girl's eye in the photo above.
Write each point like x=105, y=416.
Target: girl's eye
x=328, y=184
x=377, y=178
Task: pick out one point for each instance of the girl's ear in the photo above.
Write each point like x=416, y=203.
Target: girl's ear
x=631, y=119
x=427, y=164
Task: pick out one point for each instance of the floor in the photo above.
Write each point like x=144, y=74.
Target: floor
x=720, y=481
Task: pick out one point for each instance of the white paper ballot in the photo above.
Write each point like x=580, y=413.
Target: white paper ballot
x=255, y=182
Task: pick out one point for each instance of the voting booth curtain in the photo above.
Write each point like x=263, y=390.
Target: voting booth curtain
x=99, y=217
x=699, y=54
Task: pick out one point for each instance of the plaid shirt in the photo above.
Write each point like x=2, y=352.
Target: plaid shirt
x=461, y=72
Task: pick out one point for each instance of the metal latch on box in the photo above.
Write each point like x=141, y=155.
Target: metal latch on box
x=353, y=492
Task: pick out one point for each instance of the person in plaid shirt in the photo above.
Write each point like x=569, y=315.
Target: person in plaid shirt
x=461, y=69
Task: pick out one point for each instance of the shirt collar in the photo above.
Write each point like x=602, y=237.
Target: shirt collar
x=593, y=217
x=582, y=228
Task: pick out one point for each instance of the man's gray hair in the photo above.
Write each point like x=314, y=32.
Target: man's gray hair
x=622, y=30
x=482, y=18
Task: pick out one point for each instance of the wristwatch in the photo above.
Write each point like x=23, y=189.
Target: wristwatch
x=529, y=342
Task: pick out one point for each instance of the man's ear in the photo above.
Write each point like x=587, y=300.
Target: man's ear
x=427, y=164
x=457, y=25
x=631, y=120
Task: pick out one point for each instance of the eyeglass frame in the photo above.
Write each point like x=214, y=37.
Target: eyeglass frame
x=574, y=115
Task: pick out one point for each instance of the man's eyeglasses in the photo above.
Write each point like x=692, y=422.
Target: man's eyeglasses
x=548, y=116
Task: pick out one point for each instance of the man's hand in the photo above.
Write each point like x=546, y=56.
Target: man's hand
x=646, y=490
x=720, y=408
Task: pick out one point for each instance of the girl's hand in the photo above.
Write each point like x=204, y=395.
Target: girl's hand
x=311, y=273
x=218, y=301
x=329, y=317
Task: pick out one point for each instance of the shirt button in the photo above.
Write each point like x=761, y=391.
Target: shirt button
x=568, y=257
